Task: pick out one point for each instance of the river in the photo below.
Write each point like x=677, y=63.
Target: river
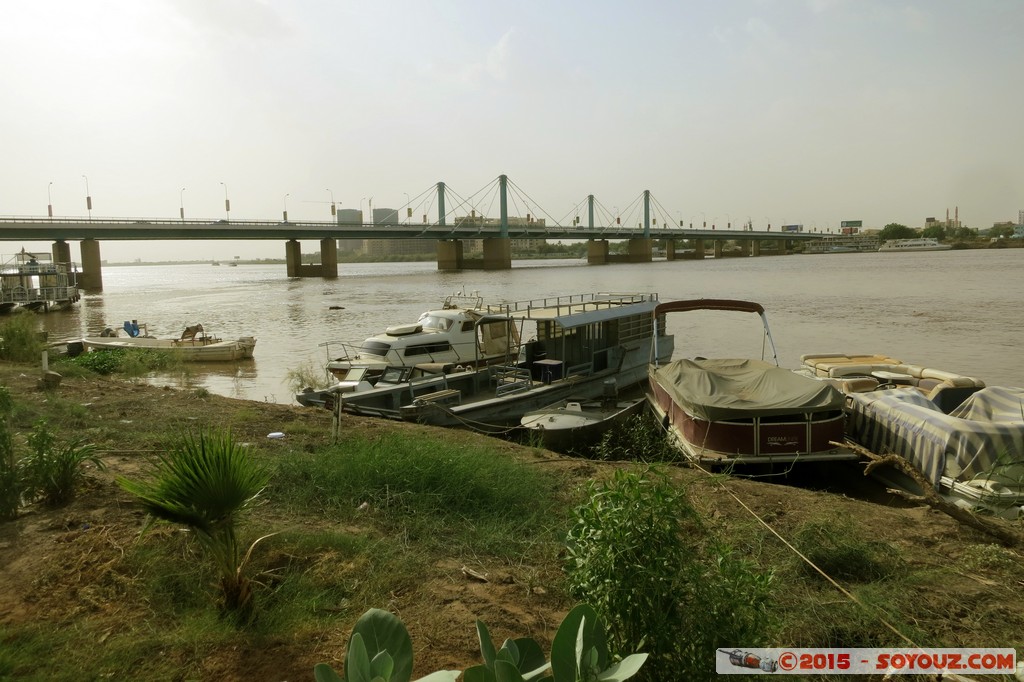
x=954, y=310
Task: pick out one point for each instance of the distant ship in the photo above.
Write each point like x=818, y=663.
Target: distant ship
x=918, y=244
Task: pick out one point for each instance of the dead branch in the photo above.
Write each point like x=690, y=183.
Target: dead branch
x=992, y=527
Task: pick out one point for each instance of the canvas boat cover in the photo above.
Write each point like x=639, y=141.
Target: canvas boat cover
x=718, y=389
x=983, y=433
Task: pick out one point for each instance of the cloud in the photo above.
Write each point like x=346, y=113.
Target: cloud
x=249, y=19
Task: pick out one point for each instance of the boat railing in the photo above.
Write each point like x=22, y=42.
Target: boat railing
x=571, y=303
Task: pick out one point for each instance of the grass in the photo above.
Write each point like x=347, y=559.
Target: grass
x=105, y=604
x=493, y=503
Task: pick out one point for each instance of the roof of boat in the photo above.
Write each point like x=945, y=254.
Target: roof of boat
x=578, y=309
x=710, y=304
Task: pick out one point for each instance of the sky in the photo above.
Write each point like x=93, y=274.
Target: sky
x=775, y=111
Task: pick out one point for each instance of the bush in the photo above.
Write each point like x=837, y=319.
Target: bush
x=836, y=547
x=640, y=555
x=641, y=439
x=11, y=476
x=20, y=340
x=54, y=468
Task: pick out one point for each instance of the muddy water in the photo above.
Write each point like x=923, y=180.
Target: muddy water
x=955, y=310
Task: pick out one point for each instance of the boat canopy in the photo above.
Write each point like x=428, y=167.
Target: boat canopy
x=717, y=389
x=973, y=440
x=710, y=304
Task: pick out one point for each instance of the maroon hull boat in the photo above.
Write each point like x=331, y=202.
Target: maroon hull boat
x=745, y=411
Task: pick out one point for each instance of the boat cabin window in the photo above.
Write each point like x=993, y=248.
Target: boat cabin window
x=375, y=347
x=467, y=325
x=428, y=348
x=395, y=375
x=428, y=321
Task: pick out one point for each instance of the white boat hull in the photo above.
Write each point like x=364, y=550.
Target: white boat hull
x=218, y=351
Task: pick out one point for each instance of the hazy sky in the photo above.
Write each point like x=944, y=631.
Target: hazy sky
x=781, y=111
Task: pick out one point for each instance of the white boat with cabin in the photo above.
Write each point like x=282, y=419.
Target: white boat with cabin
x=916, y=244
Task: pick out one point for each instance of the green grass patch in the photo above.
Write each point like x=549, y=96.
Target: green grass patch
x=416, y=485
x=837, y=547
x=128, y=362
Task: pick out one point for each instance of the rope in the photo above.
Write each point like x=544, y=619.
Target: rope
x=849, y=595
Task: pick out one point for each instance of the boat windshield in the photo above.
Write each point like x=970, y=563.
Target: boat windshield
x=428, y=321
x=371, y=347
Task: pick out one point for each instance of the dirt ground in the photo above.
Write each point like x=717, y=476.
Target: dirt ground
x=65, y=567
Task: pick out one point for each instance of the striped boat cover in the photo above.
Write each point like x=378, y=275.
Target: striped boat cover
x=986, y=430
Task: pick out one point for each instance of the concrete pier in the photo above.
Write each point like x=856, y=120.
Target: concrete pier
x=91, y=276
x=327, y=267
x=497, y=255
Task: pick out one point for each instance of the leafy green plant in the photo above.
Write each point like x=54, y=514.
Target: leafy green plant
x=641, y=439
x=640, y=555
x=205, y=482
x=54, y=467
x=579, y=653
x=379, y=650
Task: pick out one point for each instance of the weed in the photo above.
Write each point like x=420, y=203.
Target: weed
x=54, y=467
x=837, y=548
x=641, y=439
x=20, y=340
x=306, y=376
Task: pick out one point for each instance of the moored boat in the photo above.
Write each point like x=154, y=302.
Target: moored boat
x=573, y=345
x=916, y=244
x=194, y=344
x=575, y=425
x=448, y=334
x=34, y=282
x=740, y=411
x=973, y=456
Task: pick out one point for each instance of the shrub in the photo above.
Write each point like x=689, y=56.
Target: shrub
x=205, y=482
x=20, y=340
x=641, y=439
x=54, y=468
x=640, y=555
x=11, y=476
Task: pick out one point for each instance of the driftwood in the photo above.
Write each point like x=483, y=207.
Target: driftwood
x=992, y=527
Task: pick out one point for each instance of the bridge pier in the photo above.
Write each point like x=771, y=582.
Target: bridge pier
x=597, y=252
x=755, y=248
x=638, y=251
x=91, y=276
x=698, y=250
x=718, y=248
x=328, y=266
x=497, y=255
x=745, y=248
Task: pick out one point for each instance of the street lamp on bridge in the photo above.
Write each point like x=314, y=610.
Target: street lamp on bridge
x=88, y=197
x=334, y=211
x=227, y=202
x=286, y=207
x=49, y=200
x=181, y=203
x=408, y=208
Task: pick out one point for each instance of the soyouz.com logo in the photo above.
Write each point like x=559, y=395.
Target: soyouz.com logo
x=764, y=661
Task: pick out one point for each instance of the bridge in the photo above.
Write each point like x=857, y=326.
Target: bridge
x=495, y=234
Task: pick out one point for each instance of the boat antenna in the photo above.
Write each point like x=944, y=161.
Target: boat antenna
x=768, y=334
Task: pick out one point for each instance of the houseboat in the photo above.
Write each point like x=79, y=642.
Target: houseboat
x=34, y=281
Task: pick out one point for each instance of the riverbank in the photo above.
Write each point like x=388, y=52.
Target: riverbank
x=82, y=596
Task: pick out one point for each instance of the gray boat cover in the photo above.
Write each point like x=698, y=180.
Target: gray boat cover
x=983, y=433
x=718, y=389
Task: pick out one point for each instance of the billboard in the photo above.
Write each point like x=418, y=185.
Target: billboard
x=792, y=228
x=852, y=223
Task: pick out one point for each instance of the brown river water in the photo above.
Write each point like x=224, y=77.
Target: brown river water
x=955, y=310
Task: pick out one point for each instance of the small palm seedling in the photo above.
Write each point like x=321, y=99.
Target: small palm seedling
x=205, y=482
x=55, y=467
